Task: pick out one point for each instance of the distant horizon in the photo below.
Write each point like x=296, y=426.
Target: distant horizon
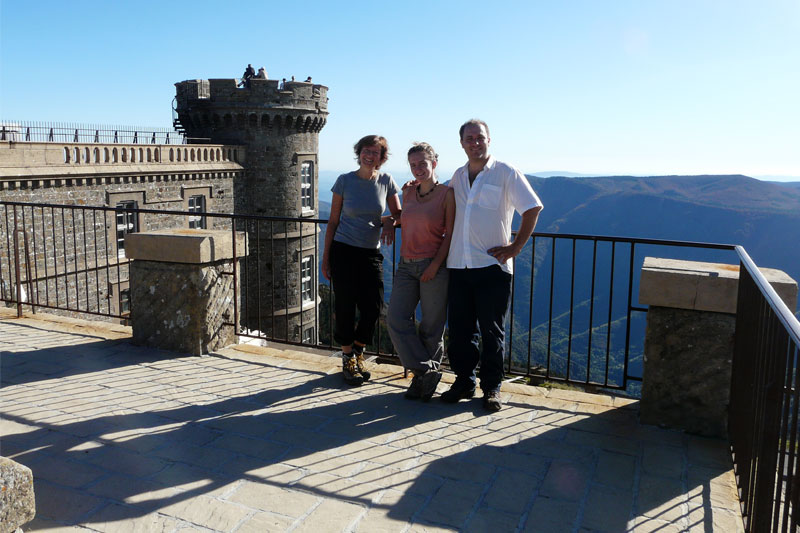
x=330, y=175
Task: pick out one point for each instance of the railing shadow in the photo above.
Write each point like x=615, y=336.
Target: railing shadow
x=452, y=466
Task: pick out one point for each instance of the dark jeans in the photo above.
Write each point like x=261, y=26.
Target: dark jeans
x=357, y=277
x=478, y=300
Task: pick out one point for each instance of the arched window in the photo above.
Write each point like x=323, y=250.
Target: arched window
x=179, y=155
x=86, y=158
x=97, y=155
x=192, y=153
x=66, y=155
x=211, y=154
x=171, y=155
x=205, y=154
x=156, y=152
x=124, y=154
x=77, y=154
x=217, y=154
x=141, y=155
x=149, y=155
x=114, y=155
x=105, y=155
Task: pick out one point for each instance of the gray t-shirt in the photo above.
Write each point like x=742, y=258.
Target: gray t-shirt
x=363, y=203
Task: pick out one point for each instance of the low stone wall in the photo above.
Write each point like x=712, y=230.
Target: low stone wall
x=17, y=501
x=182, y=289
x=689, y=341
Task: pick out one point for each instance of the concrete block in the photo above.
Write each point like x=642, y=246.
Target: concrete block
x=193, y=246
x=702, y=286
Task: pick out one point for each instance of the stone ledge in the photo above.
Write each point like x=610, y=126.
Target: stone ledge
x=17, y=501
x=699, y=286
x=192, y=246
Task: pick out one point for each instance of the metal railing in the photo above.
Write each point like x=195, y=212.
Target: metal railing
x=764, y=405
x=60, y=132
x=573, y=318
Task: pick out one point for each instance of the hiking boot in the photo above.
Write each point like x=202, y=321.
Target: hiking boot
x=463, y=390
x=352, y=375
x=428, y=383
x=492, y=401
x=362, y=366
x=414, y=391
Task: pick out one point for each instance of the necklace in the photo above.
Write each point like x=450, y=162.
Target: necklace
x=421, y=195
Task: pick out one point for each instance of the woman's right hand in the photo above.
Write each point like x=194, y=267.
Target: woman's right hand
x=326, y=268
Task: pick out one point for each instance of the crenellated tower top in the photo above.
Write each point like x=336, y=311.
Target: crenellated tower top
x=218, y=109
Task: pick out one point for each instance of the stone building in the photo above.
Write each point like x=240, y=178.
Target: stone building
x=278, y=129
x=248, y=151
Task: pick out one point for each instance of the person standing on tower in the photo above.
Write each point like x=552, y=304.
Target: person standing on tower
x=352, y=260
x=249, y=72
x=487, y=192
x=262, y=74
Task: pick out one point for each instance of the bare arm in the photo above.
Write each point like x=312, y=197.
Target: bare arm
x=444, y=248
x=333, y=223
x=390, y=221
x=529, y=219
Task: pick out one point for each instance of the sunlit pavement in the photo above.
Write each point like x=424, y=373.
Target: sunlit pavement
x=124, y=438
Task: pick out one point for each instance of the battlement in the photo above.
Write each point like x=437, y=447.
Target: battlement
x=259, y=94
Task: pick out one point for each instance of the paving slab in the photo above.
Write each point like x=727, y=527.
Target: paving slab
x=246, y=439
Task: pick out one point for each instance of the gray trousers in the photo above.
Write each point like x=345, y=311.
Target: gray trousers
x=424, y=350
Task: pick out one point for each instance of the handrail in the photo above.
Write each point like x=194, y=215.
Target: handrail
x=782, y=311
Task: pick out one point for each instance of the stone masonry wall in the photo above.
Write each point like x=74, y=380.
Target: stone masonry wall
x=679, y=382
x=70, y=257
x=175, y=303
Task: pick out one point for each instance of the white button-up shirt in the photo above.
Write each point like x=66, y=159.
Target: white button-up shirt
x=484, y=212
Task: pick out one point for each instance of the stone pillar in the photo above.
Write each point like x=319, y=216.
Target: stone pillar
x=688, y=345
x=182, y=288
x=17, y=501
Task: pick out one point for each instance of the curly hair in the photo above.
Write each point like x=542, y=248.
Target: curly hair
x=372, y=140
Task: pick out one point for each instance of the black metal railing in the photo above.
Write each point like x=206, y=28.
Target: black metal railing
x=574, y=315
x=61, y=132
x=764, y=407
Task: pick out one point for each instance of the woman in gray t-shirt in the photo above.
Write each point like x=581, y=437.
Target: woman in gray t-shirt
x=352, y=260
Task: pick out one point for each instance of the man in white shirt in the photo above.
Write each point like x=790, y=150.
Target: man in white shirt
x=487, y=192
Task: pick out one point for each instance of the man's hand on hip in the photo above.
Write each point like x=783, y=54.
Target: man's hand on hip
x=504, y=253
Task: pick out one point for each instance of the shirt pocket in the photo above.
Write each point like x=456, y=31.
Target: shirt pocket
x=489, y=197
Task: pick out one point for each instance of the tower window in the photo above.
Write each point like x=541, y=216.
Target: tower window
x=197, y=205
x=307, y=279
x=308, y=336
x=127, y=222
x=307, y=186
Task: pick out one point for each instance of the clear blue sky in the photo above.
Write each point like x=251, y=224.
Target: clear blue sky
x=597, y=87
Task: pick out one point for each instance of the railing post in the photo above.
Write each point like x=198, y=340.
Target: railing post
x=16, y=266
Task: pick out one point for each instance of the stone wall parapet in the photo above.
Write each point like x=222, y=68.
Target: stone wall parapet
x=689, y=341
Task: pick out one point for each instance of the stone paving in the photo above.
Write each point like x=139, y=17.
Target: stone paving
x=123, y=438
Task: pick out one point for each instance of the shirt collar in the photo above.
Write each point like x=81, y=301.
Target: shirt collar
x=489, y=165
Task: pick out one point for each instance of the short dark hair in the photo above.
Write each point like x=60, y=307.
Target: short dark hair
x=370, y=140
x=472, y=122
x=424, y=148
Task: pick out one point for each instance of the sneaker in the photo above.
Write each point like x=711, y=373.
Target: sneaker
x=414, y=391
x=362, y=366
x=459, y=391
x=492, y=401
x=352, y=375
x=428, y=383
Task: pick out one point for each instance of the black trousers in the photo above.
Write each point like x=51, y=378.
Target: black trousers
x=357, y=277
x=478, y=300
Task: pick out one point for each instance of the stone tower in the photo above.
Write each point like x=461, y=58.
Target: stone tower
x=279, y=132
